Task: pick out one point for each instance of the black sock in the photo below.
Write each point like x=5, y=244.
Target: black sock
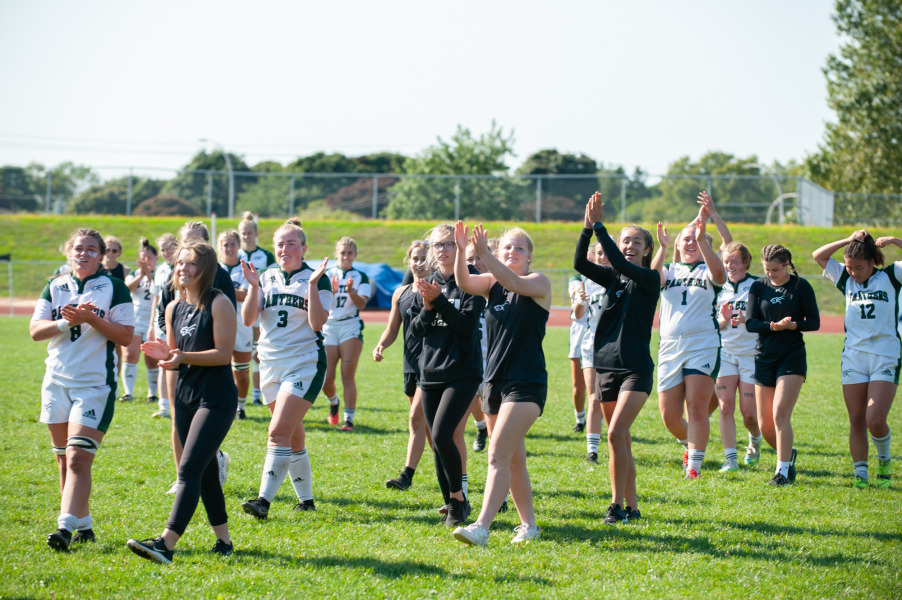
x=409, y=472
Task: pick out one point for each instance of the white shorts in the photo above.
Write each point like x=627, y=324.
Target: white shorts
x=338, y=332
x=88, y=406
x=244, y=338
x=141, y=330
x=577, y=333
x=675, y=363
x=300, y=376
x=742, y=365
x=587, y=349
x=862, y=367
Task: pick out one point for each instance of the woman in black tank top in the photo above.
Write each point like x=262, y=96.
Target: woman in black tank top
x=200, y=326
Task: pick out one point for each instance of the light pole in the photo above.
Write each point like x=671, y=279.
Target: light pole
x=781, y=217
x=231, y=173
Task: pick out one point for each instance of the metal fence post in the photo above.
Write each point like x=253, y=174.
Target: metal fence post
x=10, y=267
x=457, y=199
x=291, y=198
x=539, y=200
x=128, y=200
x=623, y=181
x=209, y=194
x=375, y=197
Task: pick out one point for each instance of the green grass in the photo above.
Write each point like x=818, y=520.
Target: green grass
x=38, y=238
x=719, y=537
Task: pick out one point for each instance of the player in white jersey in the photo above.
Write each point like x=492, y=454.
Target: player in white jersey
x=577, y=335
x=262, y=259
x=592, y=295
x=689, y=348
x=227, y=253
x=737, y=358
x=293, y=303
x=139, y=282
x=84, y=314
x=870, y=358
x=168, y=245
x=344, y=330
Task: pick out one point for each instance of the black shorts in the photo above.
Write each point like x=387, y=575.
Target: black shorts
x=411, y=383
x=496, y=393
x=609, y=384
x=767, y=370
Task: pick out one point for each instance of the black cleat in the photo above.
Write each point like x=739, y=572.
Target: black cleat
x=401, y=482
x=60, y=540
x=222, y=548
x=632, y=514
x=126, y=398
x=257, y=507
x=242, y=415
x=458, y=511
x=153, y=399
x=778, y=480
x=592, y=458
x=152, y=549
x=614, y=514
x=482, y=435
x=83, y=535
x=579, y=427
x=304, y=506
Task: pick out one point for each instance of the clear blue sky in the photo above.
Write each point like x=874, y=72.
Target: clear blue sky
x=636, y=83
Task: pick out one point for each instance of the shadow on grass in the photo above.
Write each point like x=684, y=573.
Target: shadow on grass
x=775, y=530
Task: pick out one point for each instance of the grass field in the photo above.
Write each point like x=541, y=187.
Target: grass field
x=718, y=537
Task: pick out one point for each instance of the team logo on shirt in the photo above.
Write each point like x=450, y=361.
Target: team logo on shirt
x=188, y=330
x=777, y=299
x=99, y=286
x=64, y=287
x=619, y=293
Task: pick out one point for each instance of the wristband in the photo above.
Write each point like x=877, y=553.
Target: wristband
x=62, y=325
x=597, y=225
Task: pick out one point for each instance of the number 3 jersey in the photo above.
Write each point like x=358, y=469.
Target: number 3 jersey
x=284, y=329
x=81, y=356
x=872, y=308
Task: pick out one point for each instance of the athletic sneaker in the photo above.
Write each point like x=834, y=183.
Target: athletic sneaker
x=163, y=413
x=153, y=399
x=526, y=533
x=458, y=511
x=347, y=426
x=692, y=474
x=884, y=474
x=152, y=549
x=752, y=455
x=473, y=534
x=860, y=483
x=222, y=548
x=592, y=458
x=84, y=535
x=304, y=506
x=579, y=427
x=224, y=460
x=791, y=478
x=258, y=402
x=779, y=481
x=401, y=482
x=685, y=460
x=174, y=488
x=242, y=415
x=482, y=433
x=333, y=414
x=731, y=466
x=257, y=507
x=60, y=540
x=632, y=514
x=126, y=398
x=614, y=514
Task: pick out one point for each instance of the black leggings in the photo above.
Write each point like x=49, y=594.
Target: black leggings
x=201, y=431
x=444, y=409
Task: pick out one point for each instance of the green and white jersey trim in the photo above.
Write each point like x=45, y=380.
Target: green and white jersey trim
x=688, y=304
x=342, y=307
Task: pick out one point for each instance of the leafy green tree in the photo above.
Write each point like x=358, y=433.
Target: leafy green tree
x=66, y=181
x=165, y=206
x=862, y=150
x=18, y=190
x=381, y=162
x=192, y=187
x=111, y=197
x=497, y=197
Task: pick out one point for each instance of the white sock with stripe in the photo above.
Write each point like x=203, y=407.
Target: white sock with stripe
x=153, y=382
x=301, y=475
x=882, y=445
x=275, y=468
x=129, y=377
x=592, y=440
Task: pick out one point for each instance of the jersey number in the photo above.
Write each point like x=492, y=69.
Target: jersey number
x=283, y=319
x=867, y=311
x=685, y=292
x=147, y=295
x=340, y=301
x=74, y=333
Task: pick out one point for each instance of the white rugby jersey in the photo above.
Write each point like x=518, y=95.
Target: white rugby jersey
x=236, y=274
x=573, y=286
x=688, y=299
x=342, y=307
x=872, y=309
x=260, y=258
x=284, y=330
x=160, y=278
x=142, y=299
x=737, y=340
x=81, y=356
x=593, y=304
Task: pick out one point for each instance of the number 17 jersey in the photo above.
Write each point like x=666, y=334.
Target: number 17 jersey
x=284, y=329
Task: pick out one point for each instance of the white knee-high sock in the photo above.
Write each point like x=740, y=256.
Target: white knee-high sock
x=301, y=475
x=153, y=376
x=882, y=445
x=592, y=440
x=129, y=377
x=275, y=468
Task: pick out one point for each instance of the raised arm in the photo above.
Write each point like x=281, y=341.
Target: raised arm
x=317, y=313
x=533, y=285
x=471, y=283
x=657, y=263
x=715, y=267
x=823, y=254
x=250, y=310
x=704, y=198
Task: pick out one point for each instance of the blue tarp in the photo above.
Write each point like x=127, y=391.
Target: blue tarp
x=383, y=278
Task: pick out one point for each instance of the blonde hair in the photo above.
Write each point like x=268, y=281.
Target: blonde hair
x=231, y=233
x=415, y=244
x=248, y=217
x=742, y=249
x=165, y=239
x=112, y=239
x=292, y=224
x=345, y=241
x=194, y=226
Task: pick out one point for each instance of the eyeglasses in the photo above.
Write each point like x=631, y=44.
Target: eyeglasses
x=446, y=245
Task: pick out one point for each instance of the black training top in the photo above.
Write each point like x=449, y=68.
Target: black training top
x=769, y=303
x=118, y=271
x=450, y=334
x=221, y=281
x=623, y=334
x=413, y=346
x=515, y=326
x=197, y=386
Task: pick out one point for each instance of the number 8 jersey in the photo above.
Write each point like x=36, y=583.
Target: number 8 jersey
x=284, y=329
x=871, y=309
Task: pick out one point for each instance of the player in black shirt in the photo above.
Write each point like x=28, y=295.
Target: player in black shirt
x=516, y=381
x=200, y=327
x=780, y=307
x=623, y=363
